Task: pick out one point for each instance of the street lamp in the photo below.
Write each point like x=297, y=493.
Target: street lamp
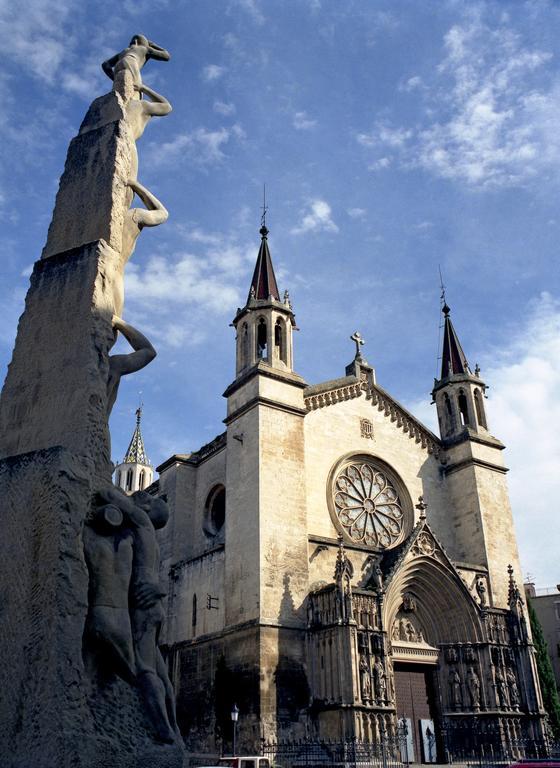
x=234, y=719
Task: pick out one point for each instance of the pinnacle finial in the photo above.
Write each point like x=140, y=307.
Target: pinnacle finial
x=446, y=309
x=422, y=507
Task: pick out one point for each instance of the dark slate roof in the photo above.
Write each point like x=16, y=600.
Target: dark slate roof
x=264, y=281
x=453, y=359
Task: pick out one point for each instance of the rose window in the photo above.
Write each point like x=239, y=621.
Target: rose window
x=367, y=505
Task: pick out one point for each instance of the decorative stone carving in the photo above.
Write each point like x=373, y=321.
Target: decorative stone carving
x=366, y=428
x=501, y=689
x=513, y=689
x=367, y=505
x=480, y=587
x=125, y=598
x=469, y=654
x=473, y=688
x=451, y=655
x=407, y=630
x=455, y=692
x=365, y=679
x=380, y=681
x=408, y=603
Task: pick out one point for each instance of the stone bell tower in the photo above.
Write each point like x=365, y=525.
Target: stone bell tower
x=264, y=325
x=459, y=394
x=266, y=569
x=474, y=469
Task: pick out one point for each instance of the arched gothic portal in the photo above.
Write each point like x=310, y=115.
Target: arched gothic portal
x=414, y=641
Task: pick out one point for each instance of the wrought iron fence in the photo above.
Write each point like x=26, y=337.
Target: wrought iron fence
x=325, y=754
x=489, y=755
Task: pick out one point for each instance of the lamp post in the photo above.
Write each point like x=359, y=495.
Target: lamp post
x=234, y=719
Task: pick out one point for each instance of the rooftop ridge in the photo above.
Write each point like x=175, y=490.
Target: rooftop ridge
x=348, y=388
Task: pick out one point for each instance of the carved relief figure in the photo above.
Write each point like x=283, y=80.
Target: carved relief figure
x=122, y=554
x=481, y=590
x=108, y=553
x=380, y=680
x=473, y=688
x=455, y=689
x=122, y=365
x=513, y=689
x=501, y=689
x=365, y=679
x=133, y=58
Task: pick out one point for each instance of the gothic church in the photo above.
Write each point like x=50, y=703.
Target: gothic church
x=335, y=567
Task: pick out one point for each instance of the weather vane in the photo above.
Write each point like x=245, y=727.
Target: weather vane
x=264, y=208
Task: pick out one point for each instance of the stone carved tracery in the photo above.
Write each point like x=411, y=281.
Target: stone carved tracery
x=367, y=505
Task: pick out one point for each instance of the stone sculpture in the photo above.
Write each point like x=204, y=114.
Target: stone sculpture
x=365, y=679
x=455, y=689
x=122, y=365
x=380, y=681
x=125, y=598
x=133, y=58
x=86, y=616
x=501, y=689
x=481, y=590
x=513, y=688
x=473, y=688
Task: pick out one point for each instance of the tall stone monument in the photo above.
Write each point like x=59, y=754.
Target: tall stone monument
x=82, y=680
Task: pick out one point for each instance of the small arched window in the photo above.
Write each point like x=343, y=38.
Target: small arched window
x=129, y=474
x=479, y=406
x=142, y=480
x=194, y=612
x=463, y=408
x=244, y=345
x=262, y=340
x=280, y=340
x=119, y=478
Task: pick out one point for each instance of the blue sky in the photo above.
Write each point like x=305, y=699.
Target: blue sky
x=393, y=137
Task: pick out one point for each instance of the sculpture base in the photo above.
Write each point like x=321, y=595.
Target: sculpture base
x=53, y=713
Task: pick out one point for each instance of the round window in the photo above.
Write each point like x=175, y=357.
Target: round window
x=215, y=510
x=367, y=503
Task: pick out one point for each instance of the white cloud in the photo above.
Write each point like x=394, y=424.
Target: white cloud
x=202, y=146
x=491, y=119
x=356, y=213
x=252, y=7
x=380, y=164
x=223, y=108
x=169, y=296
x=302, y=122
x=212, y=72
x=414, y=83
x=523, y=411
x=317, y=219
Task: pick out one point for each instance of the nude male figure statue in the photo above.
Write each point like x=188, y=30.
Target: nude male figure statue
x=108, y=552
x=135, y=220
x=133, y=58
x=122, y=365
x=138, y=114
x=147, y=514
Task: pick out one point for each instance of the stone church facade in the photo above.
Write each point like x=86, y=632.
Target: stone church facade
x=335, y=567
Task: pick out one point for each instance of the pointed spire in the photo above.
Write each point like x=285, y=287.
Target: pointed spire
x=453, y=359
x=264, y=283
x=136, y=453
